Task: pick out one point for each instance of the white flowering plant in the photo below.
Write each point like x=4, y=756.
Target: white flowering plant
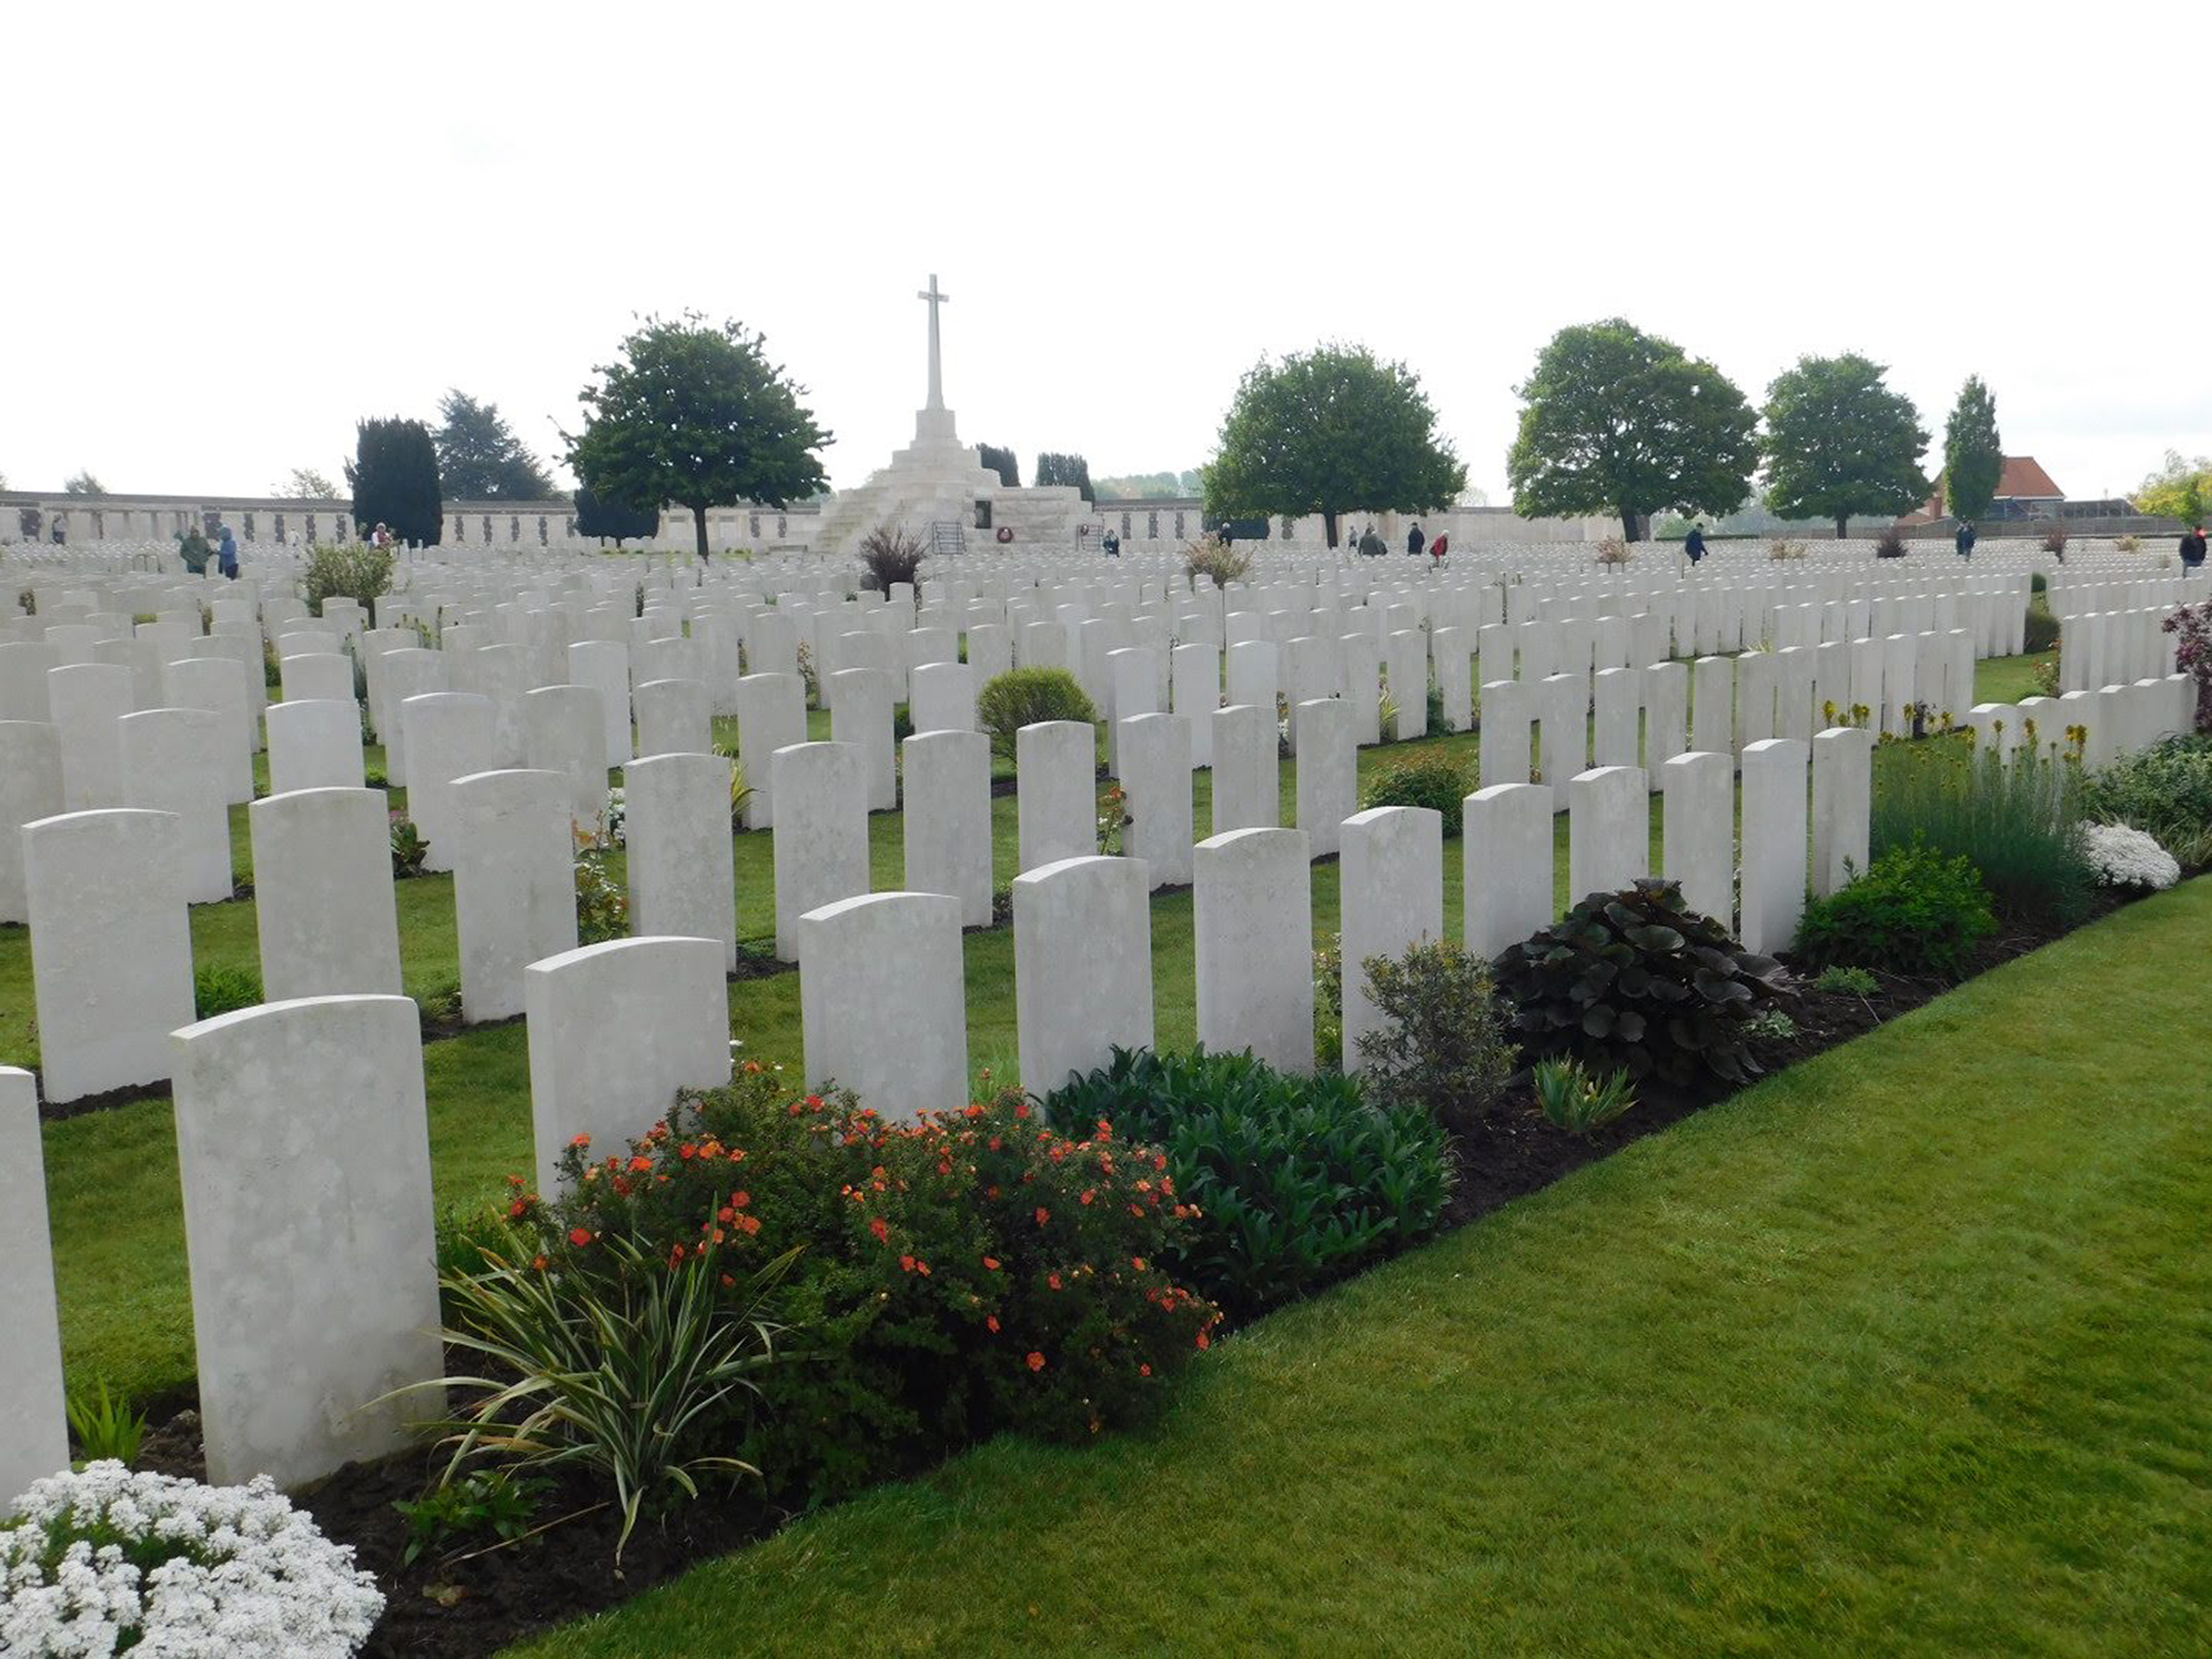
x=2126, y=857
x=109, y=1560
x=613, y=818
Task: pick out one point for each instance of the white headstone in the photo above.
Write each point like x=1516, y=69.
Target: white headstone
x=1254, y=921
x=883, y=1000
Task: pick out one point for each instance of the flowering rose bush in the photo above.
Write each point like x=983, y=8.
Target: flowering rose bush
x=2125, y=857
x=972, y=1271
x=108, y=1560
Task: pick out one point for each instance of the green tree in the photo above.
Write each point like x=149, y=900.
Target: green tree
x=695, y=413
x=1840, y=442
x=305, y=483
x=1005, y=463
x=1331, y=431
x=1620, y=421
x=2181, y=489
x=597, y=517
x=479, y=459
x=1065, y=471
x=84, y=484
x=1973, y=453
x=394, y=478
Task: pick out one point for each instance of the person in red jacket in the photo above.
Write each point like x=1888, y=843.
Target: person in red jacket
x=1436, y=549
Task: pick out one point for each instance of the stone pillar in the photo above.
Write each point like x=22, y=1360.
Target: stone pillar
x=1506, y=865
x=34, y=1421
x=677, y=829
x=1774, y=822
x=674, y=716
x=941, y=697
x=1609, y=831
x=449, y=736
x=314, y=744
x=1700, y=846
x=173, y=762
x=1247, y=781
x=323, y=896
x=615, y=1029
x=1328, y=772
x=883, y=1000
x=948, y=817
x=1055, y=791
x=821, y=833
x=302, y=1137
x=1254, y=919
x=1155, y=772
x=567, y=735
x=1195, y=673
x=111, y=948
x=1843, y=805
x=860, y=703
x=514, y=882
x=1082, y=967
x=30, y=789
x=1392, y=871
x=604, y=666
x=87, y=699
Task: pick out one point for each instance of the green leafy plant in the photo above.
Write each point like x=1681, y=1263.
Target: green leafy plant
x=2017, y=822
x=1442, y=1043
x=2165, y=790
x=1845, y=981
x=620, y=1373
x=408, y=848
x=603, y=910
x=1328, y=1003
x=498, y=1501
x=1027, y=696
x=1916, y=910
x=1437, y=779
x=440, y=1005
x=2042, y=631
x=1296, y=1181
x=348, y=570
x=105, y=1426
x=740, y=791
x=1572, y=1099
x=1636, y=980
x=1772, y=1026
x=222, y=987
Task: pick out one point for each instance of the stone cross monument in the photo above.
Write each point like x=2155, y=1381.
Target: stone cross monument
x=936, y=357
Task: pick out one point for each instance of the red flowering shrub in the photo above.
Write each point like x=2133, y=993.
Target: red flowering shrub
x=931, y=1304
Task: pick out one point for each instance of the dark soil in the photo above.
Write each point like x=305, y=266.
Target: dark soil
x=469, y=1598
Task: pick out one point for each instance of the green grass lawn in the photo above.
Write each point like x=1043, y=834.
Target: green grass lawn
x=1902, y=1352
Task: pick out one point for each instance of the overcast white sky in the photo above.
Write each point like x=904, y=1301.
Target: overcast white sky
x=234, y=229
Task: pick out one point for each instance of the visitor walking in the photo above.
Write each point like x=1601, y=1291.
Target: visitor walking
x=227, y=555
x=1436, y=549
x=1964, y=539
x=1693, y=543
x=1112, y=545
x=2192, y=549
x=1414, y=543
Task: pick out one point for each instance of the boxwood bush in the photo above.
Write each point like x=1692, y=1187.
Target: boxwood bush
x=1914, y=910
x=1636, y=980
x=1028, y=696
x=1296, y=1181
x=1436, y=779
x=2165, y=790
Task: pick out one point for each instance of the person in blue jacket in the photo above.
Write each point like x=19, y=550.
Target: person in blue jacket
x=227, y=555
x=1693, y=543
x=1964, y=539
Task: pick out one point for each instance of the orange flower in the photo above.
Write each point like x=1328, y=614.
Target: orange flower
x=580, y=1140
x=1144, y=1371
x=1022, y=1111
x=740, y=1199
x=815, y=1101
x=1053, y=1279
x=539, y=1262
x=991, y=1262
x=1043, y=1215
x=750, y=1223
x=882, y=1233
x=991, y=1323
x=1087, y=1196
x=640, y=1166
x=1204, y=1340
x=579, y=1237
x=1138, y=1260
x=725, y=1214
x=906, y=1263
x=1036, y=1361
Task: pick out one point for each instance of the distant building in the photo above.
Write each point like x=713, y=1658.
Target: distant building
x=2024, y=490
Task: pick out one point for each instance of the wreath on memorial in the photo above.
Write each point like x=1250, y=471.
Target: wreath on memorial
x=1005, y=532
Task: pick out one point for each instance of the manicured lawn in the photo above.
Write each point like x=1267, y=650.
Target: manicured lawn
x=1903, y=1351
x=2006, y=679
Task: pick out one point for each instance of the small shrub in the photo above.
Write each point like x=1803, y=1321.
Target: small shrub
x=2042, y=631
x=1442, y=1046
x=741, y=790
x=2165, y=790
x=1915, y=910
x=1113, y=818
x=1771, y=1026
x=2127, y=544
x=225, y=988
x=408, y=848
x=2054, y=540
x=1782, y=550
x=1028, y=696
x=1889, y=545
x=603, y=910
x=2019, y=824
x=1210, y=556
x=1613, y=552
x=889, y=553
x=439, y=1006
x=1635, y=979
x=350, y=570
x=1437, y=779
x=1293, y=1181
x=107, y=1427
x=2124, y=857
x=1844, y=981
x=1571, y=1099
x=494, y=1502
x=1328, y=1003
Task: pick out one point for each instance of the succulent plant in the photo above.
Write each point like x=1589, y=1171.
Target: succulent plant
x=1635, y=979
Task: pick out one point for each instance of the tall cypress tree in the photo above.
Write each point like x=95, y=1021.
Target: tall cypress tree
x=1973, y=453
x=1003, y=462
x=394, y=478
